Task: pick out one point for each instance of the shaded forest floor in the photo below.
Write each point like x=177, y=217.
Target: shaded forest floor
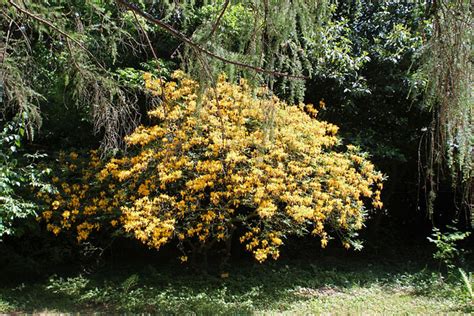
x=326, y=284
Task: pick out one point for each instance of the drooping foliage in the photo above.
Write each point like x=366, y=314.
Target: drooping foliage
x=445, y=80
x=55, y=58
x=274, y=35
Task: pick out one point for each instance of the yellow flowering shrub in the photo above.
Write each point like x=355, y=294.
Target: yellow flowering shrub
x=80, y=203
x=224, y=160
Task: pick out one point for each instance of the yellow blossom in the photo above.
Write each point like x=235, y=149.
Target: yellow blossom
x=55, y=205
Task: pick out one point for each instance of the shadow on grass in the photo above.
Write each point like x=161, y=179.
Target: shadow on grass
x=172, y=288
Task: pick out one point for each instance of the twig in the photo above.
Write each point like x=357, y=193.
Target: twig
x=3, y=55
x=216, y=24
x=27, y=41
x=168, y=28
x=146, y=36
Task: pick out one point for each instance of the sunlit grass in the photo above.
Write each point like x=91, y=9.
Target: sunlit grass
x=288, y=287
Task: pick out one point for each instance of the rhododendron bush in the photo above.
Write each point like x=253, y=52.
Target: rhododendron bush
x=221, y=161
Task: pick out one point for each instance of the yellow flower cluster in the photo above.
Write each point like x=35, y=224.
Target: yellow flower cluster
x=146, y=224
x=80, y=204
x=232, y=157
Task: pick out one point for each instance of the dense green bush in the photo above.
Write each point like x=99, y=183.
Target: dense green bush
x=18, y=175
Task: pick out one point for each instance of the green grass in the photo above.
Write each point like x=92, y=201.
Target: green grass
x=284, y=287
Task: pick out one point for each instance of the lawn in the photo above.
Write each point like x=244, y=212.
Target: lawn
x=325, y=285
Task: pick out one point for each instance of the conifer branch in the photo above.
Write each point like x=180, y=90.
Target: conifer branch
x=54, y=27
x=168, y=28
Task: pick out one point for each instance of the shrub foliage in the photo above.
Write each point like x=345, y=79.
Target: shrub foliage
x=227, y=162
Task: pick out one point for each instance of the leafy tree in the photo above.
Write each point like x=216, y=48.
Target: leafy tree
x=369, y=96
